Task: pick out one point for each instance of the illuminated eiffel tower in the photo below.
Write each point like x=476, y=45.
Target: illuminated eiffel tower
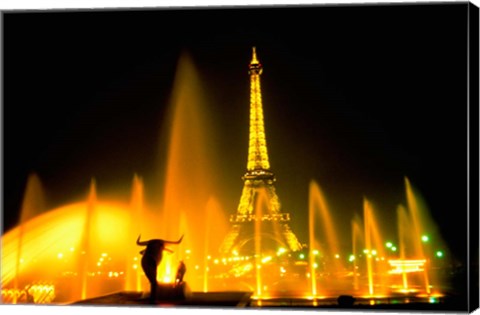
x=258, y=180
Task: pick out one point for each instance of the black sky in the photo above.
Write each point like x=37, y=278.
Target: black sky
x=355, y=97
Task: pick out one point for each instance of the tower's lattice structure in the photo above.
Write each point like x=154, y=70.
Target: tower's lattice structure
x=258, y=179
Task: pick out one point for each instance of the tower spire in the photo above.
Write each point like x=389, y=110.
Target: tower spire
x=254, y=56
x=257, y=163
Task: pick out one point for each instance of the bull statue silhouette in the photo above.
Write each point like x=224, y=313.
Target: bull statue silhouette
x=151, y=258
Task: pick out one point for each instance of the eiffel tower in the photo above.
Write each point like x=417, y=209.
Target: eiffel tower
x=258, y=180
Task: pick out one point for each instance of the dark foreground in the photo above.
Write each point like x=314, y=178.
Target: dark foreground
x=244, y=299
x=225, y=299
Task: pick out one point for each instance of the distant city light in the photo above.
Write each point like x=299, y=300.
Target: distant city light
x=315, y=252
x=394, y=249
x=351, y=258
x=425, y=238
x=266, y=259
x=301, y=256
x=439, y=253
x=389, y=244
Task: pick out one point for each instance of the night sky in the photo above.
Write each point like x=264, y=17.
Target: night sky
x=355, y=97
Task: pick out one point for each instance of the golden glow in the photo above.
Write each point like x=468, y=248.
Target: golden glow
x=258, y=176
x=257, y=149
x=405, y=266
x=430, y=295
x=254, y=56
x=414, y=210
x=311, y=238
x=266, y=259
x=58, y=237
x=258, y=249
x=35, y=293
x=318, y=204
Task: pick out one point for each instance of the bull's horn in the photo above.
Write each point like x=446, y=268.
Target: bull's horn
x=177, y=242
x=144, y=243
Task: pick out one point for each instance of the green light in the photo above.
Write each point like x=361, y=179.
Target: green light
x=389, y=244
x=351, y=258
x=315, y=252
x=432, y=300
x=394, y=249
x=301, y=256
x=425, y=238
x=439, y=254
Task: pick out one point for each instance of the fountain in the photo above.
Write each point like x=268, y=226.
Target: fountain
x=91, y=242
x=330, y=252
x=357, y=236
x=32, y=206
x=133, y=276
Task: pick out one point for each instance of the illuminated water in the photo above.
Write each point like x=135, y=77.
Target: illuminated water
x=87, y=248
